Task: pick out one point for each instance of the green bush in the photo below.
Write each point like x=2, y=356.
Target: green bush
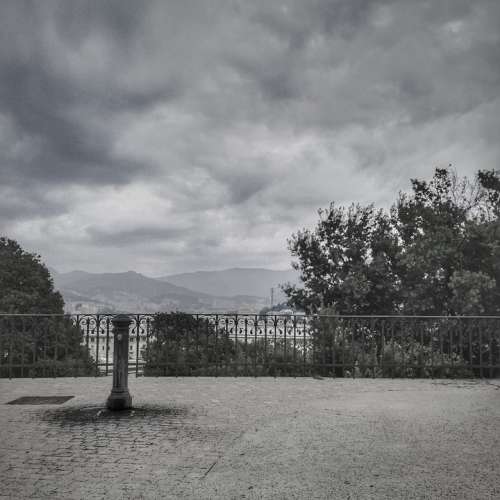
x=358, y=347
x=184, y=345
x=42, y=346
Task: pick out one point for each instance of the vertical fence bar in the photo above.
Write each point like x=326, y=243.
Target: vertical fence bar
x=137, y=340
x=96, y=339
x=363, y=348
x=402, y=340
x=393, y=360
x=353, y=330
x=468, y=340
x=80, y=332
x=246, y=346
x=56, y=342
x=285, y=361
x=421, y=351
x=461, y=343
x=45, y=340
x=216, y=329
x=343, y=329
x=490, y=350
x=451, y=347
x=87, y=326
x=410, y=342
x=148, y=332
x=441, y=350
x=275, y=322
x=167, y=341
x=106, y=371
x=294, y=326
x=431, y=334
x=255, y=346
x=24, y=336
x=324, y=325
x=34, y=345
x=266, y=362
x=227, y=344
x=331, y=346
x=381, y=351
x=11, y=350
x=373, y=344
x=237, y=345
x=497, y=341
x=206, y=329
x=481, y=374
x=304, y=347
x=198, y=356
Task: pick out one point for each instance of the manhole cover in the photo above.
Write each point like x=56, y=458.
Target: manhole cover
x=40, y=400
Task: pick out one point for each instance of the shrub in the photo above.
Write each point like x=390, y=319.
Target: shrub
x=183, y=345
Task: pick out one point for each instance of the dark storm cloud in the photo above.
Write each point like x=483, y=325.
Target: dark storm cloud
x=298, y=21
x=135, y=236
x=65, y=116
x=14, y=207
x=225, y=125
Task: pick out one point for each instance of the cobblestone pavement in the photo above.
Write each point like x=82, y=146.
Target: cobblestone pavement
x=252, y=438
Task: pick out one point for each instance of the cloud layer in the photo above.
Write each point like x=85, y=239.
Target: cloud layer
x=173, y=136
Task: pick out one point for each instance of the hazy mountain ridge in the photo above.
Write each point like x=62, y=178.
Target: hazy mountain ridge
x=236, y=281
x=133, y=292
x=129, y=281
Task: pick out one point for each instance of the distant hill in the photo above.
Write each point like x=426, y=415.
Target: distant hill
x=125, y=282
x=134, y=292
x=236, y=281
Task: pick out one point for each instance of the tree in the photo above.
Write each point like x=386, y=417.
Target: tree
x=25, y=282
x=348, y=262
x=184, y=344
x=448, y=229
x=436, y=252
x=43, y=342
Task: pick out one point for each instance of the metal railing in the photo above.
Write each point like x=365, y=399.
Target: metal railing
x=178, y=344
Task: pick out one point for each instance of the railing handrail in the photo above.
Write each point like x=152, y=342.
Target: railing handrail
x=461, y=316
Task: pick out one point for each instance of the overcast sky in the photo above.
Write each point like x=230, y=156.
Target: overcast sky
x=169, y=136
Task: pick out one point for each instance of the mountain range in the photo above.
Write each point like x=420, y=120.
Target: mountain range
x=230, y=290
x=236, y=281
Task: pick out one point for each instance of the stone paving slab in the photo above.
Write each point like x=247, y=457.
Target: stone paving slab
x=282, y=438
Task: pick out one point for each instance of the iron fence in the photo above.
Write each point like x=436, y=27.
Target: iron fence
x=178, y=344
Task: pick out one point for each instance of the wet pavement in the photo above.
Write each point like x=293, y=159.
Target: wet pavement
x=252, y=438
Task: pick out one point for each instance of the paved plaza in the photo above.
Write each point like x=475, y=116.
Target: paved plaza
x=249, y=438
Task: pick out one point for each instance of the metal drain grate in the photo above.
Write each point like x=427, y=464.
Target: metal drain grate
x=40, y=400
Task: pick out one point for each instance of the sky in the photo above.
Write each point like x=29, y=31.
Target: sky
x=175, y=136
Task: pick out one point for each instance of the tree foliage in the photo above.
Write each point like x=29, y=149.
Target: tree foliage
x=44, y=345
x=25, y=282
x=436, y=252
x=183, y=344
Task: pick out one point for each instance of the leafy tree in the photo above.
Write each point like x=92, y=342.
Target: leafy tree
x=183, y=344
x=349, y=262
x=446, y=229
x=44, y=345
x=436, y=252
x=25, y=282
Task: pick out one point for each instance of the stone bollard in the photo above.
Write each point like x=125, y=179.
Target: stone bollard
x=120, y=398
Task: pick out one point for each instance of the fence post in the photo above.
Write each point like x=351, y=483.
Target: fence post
x=120, y=398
